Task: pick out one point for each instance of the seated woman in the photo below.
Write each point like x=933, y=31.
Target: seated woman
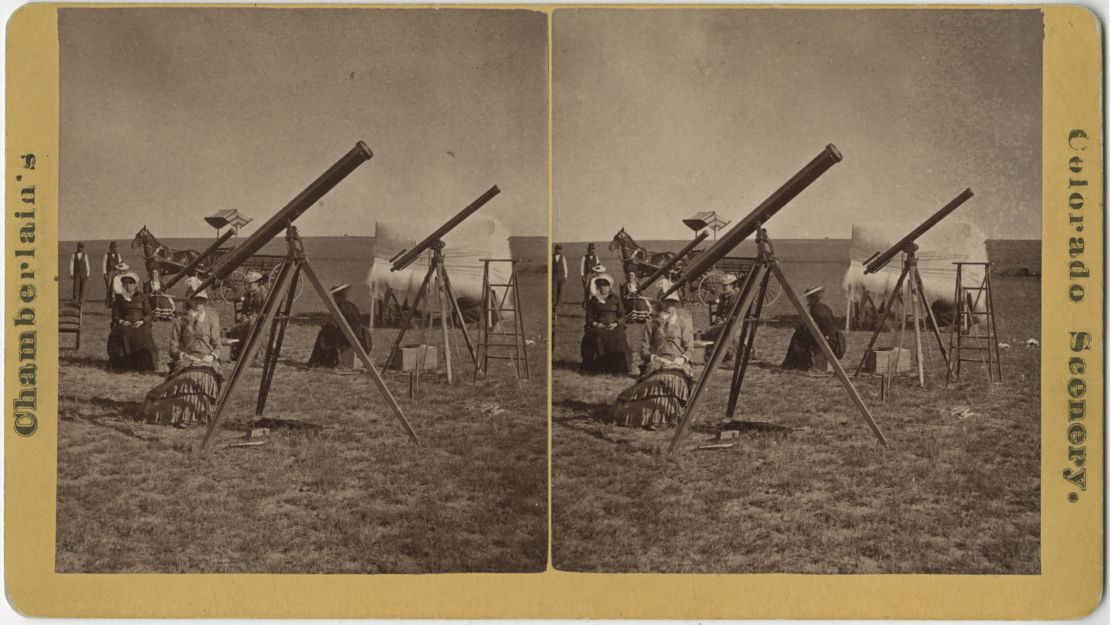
x=638, y=306
x=161, y=303
x=190, y=392
x=660, y=395
x=130, y=343
x=332, y=350
x=604, y=343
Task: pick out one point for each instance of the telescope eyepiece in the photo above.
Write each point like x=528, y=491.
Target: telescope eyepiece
x=364, y=150
x=833, y=153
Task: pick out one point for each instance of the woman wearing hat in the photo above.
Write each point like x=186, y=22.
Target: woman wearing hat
x=803, y=346
x=249, y=309
x=638, y=306
x=332, y=348
x=190, y=392
x=604, y=343
x=660, y=395
x=130, y=343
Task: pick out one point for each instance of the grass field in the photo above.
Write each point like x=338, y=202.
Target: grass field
x=807, y=488
x=337, y=488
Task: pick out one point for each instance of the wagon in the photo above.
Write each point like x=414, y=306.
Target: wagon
x=707, y=288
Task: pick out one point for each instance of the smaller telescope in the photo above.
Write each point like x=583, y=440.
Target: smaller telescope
x=877, y=261
x=750, y=223
x=667, y=266
x=407, y=257
x=441, y=286
x=915, y=299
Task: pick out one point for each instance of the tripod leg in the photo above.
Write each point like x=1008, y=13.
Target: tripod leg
x=441, y=295
x=915, y=297
x=882, y=323
x=747, y=341
x=929, y=316
x=811, y=325
x=458, y=313
x=741, y=304
x=254, y=337
x=277, y=337
x=408, y=317
x=359, y=351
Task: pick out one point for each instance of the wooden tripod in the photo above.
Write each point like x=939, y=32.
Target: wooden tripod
x=447, y=312
x=281, y=297
x=910, y=278
x=744, y=313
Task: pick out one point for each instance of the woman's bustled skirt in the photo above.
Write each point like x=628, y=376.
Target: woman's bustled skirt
x=658, y=398
x=187, y=396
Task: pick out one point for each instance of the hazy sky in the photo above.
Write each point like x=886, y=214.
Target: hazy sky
x=168, y=115
x=659, y=114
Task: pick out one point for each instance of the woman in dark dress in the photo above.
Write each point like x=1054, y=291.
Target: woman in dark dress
x=604, y=343
x=130, y=343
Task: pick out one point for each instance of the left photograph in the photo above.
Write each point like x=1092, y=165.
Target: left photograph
x=302, y=291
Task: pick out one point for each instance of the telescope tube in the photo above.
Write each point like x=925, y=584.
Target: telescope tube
x=168, y=284
x=662, y=271
x=882, y=260
x=748, y=225
x=409, y=256
x=294, y=209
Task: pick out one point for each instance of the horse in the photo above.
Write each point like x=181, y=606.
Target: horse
x=636, y=257
x=158, y=256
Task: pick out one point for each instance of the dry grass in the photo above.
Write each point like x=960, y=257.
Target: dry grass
x=337, y=488
x=806, y=488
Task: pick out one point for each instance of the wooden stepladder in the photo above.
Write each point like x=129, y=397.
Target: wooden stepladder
x=495, y=341
x=969, y=332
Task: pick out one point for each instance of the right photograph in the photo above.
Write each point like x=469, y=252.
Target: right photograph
x=796, y=307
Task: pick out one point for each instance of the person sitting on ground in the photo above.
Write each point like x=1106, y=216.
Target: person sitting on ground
x=161, y=303
x=189, y=393
x=130, y=342
x=803, y=346
x=638, y=306
x=660, y=394
x=332, y=350
x=249, y=309
x=604, y=342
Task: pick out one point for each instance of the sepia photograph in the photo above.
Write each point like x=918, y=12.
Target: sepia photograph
x=302, y=290
x=796, y=291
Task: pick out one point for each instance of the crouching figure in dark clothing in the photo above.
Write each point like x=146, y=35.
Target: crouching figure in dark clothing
x=332, y=350
x=803, y=347
x=604, y=342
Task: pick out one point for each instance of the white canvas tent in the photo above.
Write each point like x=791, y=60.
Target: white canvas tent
x=470, y=241
x=949, y=241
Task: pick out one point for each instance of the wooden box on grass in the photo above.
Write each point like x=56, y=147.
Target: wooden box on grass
x=880, y=360
x=410, y=358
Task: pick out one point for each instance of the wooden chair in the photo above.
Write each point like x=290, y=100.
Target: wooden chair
x=69, y=322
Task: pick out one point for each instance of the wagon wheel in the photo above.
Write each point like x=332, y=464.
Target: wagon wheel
x=709, y=287
x=774, y=289
x=232, y=287
x=275, y=270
